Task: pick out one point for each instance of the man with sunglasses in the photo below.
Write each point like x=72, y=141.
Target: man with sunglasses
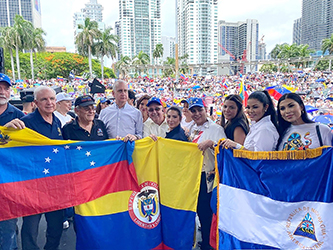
x=122, y=120
x=157, y=124
x=85, y=127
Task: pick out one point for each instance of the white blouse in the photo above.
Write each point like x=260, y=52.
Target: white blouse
x=263, y=135
x=304, y=136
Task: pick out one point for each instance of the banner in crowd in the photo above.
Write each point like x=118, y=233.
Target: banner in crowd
x=274, y=200
x=159, y=216
x=40, y=175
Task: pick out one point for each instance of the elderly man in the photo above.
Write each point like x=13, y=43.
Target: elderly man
x=85, y=127
x=156, y=125
x=7, y=113
x=64, y=104
x=121, y=119
x=43, y=121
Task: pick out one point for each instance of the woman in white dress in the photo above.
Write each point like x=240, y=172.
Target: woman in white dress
x=297, y=131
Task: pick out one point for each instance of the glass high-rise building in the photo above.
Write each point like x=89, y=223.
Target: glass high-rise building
x=140, y=26
x=297, y=31
x=317, y=22
x=29, y=9
x=197, y=31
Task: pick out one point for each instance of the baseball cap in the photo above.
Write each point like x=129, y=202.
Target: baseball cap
x=154, y=100
x=196, y=102
x=103, y=100
x=84, y=101
x=28, y=98
x=63, y=97
x=186, y=100
x=5, y=78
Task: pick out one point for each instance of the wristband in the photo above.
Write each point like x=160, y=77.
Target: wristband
x=238, y=146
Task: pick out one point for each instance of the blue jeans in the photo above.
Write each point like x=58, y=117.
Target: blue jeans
x=8, y=238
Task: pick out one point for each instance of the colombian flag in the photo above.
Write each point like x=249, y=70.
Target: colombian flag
x=40, y=175
x=274, y=200
x=159, y=216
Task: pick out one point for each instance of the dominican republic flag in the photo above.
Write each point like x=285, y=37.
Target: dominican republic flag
x=274, y=200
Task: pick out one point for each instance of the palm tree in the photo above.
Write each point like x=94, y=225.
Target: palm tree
x=107, y=46
x=7, y=41
x=158, y=52
x=141, y=59
x=86, y=38
x=327, y=44
x=276, y=51
x=123, y=65
x=171, y=62
x=22, y=32
x=36, y=43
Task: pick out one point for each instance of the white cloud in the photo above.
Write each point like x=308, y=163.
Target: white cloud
x=275, y=18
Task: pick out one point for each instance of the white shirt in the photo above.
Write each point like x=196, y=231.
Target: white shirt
x=151, y=128
x=186, y=125
x=299, y=137
x=63, y=118
x=263, y=135
x=214, y=132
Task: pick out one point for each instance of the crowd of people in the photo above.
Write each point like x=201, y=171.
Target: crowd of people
x=201, y=110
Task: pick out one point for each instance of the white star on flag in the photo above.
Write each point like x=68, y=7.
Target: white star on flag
x=78, y=147
x=48, y=159
x=88, y=153
x=55, y=150
x=67, y=147
x=92, y=163
x=46, y=171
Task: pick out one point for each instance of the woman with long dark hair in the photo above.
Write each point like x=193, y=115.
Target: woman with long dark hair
x=263, y=134
x=297, y=131
x=174, y=118
x=233, y=120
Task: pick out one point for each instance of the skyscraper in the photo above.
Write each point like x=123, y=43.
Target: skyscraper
x=197, y=30
x=239, y=40
x=168, y=47
x=297, y=31
x=317, y=22
x=28, y=9
x=140, y=26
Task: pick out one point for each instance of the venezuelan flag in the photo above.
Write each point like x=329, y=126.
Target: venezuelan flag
x=276, y=91
x=60, y=78
x=274, y=200
x=161, y=215
x=242, y=92
x=40, y=175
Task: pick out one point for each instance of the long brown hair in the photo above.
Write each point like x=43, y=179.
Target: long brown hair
x=240, y=112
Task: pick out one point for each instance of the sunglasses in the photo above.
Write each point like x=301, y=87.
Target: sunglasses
x=152, y=110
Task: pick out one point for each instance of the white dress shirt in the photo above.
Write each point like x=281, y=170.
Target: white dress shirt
x=151, y=128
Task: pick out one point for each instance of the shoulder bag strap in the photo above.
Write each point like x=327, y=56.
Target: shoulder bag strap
x=319, y=135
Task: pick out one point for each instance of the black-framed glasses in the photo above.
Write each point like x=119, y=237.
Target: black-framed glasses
x=152, y=110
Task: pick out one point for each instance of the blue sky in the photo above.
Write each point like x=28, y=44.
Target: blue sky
x=275, y=18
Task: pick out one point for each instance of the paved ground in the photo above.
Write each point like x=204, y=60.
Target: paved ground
x=68, y=236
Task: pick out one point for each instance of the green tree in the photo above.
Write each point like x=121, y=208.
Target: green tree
x=123, y=65
x=171, y=70
x=276, y=51
x=268, y=68
x=23, y=30
x=86, y=38
x=141, y=59
x=107, y=46
x=7, y=40
x=158, y=52
x=327, y=44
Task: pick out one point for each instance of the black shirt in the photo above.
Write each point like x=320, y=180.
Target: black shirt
x=229, y=129
x=73, y=131
x=37, y=123
x=177, y=134
x=9, y=114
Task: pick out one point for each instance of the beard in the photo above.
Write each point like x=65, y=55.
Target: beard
x=3, y=100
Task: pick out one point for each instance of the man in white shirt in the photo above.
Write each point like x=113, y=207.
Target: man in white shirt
x=157, y=124
x=121, y=119
x=64, y=104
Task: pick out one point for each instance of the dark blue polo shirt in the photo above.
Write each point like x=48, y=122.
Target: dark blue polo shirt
x=36, y=122
x=73, y=131
x=10, y=113
x=177, y=134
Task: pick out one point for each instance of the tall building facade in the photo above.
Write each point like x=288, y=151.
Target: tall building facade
x=297, y=31
x=168, y=47
x=197, y=31
x=29, y=9
x=317, y=22
x=239, y=41
x=117, y=33
x=140, y=26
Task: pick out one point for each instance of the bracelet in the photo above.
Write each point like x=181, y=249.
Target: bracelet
x=238, y=146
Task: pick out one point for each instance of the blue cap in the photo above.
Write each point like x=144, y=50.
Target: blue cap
x=154, y=100
x=196, y=102
x=5, y=78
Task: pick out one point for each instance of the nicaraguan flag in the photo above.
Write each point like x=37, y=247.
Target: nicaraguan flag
x=275, y=200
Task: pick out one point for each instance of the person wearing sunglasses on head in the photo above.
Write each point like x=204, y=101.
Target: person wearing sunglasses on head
x=157, y=124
